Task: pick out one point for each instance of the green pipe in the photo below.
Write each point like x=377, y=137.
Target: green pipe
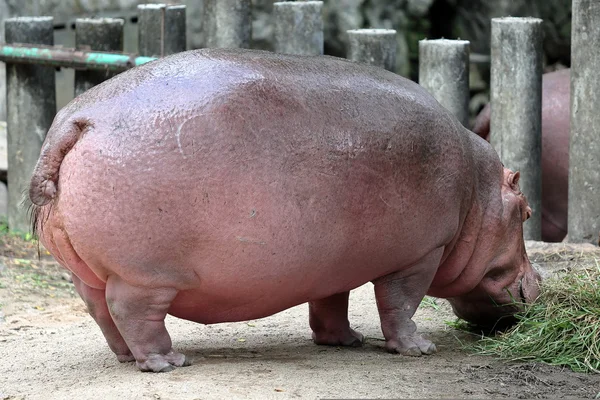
x=70, y=58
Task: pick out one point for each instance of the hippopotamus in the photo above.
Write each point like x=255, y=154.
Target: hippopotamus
x=556, y=119
x=228, y=185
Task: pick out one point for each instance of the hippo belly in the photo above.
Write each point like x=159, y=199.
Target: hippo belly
x=236, y=227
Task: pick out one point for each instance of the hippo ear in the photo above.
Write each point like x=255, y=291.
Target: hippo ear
x=513, y=181
x=527, y=213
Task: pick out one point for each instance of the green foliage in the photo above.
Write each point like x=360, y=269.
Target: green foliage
x=430, y=302
x=4, y=230
x=562, y=327
x=3, y=226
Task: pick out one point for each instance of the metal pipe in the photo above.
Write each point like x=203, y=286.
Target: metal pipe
x=70, y=58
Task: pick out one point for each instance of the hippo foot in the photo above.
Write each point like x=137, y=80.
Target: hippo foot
x=124, y=358
x=347, y=337
x=412, y=345
x=163, y=363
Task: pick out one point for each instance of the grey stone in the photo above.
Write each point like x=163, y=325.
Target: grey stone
x=391, y=15
x=340, y=17
x=228, y=23
x=102, y=34
x=194, y=22
x=373, y=46
x=3, y=200
x=584, y=149
x=444, y=72
x=161, y=29
x=516, y=98
x=31, y=109
x=298, y=27
x=3, y=150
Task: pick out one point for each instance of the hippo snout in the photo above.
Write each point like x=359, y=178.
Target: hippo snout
x=486, y=314
x=497, y=311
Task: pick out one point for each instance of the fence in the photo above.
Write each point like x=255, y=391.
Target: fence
x=298, y=29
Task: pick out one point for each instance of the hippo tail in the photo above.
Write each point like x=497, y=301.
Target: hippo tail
x=44, y=180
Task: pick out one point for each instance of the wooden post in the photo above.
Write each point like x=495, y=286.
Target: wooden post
x=444, y=72
x=298, y=27
x=161, y=29
x=516, y=100
x=584, y=149
x=31, y=106
x=228, y=23
x=373, y=46
x=101, y=34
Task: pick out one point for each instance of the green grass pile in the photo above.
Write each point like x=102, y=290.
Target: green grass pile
x=562, y=327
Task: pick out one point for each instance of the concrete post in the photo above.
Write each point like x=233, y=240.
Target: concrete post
x=161, y=29
x=101, y=34
x=31, y=106
x=444, y=72
x=584, y=149
x=298, y=27
x=516, y=99
x=228, y=23
x=373, y=46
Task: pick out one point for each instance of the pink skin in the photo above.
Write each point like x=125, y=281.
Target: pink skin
x=228, y=185
x=556, y=117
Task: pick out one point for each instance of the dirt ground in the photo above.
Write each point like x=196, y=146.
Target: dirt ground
x=51, y=349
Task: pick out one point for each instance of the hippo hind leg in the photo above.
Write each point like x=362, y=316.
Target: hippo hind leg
x=398, y=295
x=95, y=300
x=139, y=314
x=328, y=319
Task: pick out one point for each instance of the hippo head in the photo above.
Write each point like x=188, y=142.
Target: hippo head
x=508, y=281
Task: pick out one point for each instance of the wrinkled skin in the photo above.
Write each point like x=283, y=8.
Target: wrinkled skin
x=556, y=118
x=228, y=185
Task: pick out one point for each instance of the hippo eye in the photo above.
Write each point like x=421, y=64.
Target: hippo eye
x=527, y=213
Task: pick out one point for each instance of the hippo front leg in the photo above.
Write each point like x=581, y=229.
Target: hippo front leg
x=398, y=295
x=140, y=313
